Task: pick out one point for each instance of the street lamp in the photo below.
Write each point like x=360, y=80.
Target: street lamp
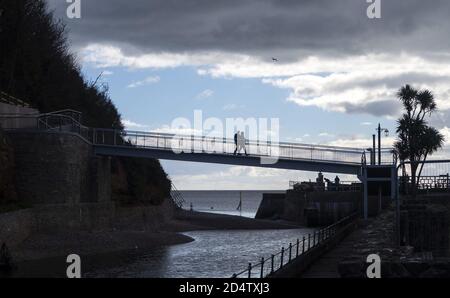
x=386, y=134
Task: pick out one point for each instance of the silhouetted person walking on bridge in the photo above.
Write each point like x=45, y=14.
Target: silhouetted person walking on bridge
x=236, y=142
x=241, y=143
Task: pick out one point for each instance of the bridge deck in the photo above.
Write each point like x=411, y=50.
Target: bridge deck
x=194, y=148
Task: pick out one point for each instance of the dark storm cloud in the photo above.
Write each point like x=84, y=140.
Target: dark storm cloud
x=377, y=108
x=262, y=27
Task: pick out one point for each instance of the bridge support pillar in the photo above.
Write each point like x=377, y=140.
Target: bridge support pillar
x=379, y=188
x=366, y=194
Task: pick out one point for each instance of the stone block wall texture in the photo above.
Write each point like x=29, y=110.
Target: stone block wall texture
x=15, y=226
x=17, y=122
x=69, y=189
x=59, y=169
x=426, y=227
x=294, y=206
x=7, y=185
x=326, y=207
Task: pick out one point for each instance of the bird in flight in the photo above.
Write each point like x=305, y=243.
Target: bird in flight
x=274, y=59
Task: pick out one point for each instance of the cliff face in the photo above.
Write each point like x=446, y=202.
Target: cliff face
x=49, y=79
x=7, y=185
x=139, y=181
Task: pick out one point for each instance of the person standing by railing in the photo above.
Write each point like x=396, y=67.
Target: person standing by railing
x=236, y=142
x=241, y=143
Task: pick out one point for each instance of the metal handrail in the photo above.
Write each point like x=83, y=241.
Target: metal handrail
x=196, y=144
x=248, y=142
x=300, y=247
x=9, y=99
x=176, y=196
x=201, y=144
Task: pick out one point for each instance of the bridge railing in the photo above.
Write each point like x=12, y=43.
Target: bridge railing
x=342, y=186
x=218, y=145
x=300, y=249
x=69, y=121
x=176, y=196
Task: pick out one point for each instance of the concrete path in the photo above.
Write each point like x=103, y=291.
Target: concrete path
x=327, y=265
x=372, y=236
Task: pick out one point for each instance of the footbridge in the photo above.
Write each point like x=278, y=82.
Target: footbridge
x=196, y=148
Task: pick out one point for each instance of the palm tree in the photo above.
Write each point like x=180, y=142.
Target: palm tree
x=416, y=140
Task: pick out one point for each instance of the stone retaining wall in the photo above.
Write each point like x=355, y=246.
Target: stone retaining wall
x=59, y=169
x=15, y=226
x=310, y=208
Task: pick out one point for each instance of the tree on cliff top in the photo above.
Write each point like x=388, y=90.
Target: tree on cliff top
x=37, y=67
x=416, y=140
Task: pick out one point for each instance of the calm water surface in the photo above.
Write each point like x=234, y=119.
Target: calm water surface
x=212, y=254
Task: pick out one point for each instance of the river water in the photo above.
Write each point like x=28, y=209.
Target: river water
x=219, y=253
x=213, y=253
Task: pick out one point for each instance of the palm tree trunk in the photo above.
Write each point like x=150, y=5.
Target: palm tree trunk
x=413, y=178
x=421, y=167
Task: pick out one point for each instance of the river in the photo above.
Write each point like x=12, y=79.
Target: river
x=213, y=253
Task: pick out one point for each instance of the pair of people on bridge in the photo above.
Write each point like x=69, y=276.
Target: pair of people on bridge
x=239, y=142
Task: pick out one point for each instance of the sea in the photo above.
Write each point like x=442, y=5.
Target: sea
x=225, y=201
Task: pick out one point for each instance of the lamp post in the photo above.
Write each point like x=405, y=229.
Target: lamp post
x=386, y=133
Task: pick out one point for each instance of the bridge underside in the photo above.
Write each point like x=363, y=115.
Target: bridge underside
x=241, y=160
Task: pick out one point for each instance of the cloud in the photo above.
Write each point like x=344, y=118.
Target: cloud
x=130, y=124
x=365, y=90
x=351, y=84
x=360, y=142
x=177, y=131
x=331, y=55
x=325, y=134
x=237, y=177
x=146, y=81
x=205, y=94
x=264, y=28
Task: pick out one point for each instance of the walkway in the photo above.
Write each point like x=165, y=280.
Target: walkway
x=374, y=237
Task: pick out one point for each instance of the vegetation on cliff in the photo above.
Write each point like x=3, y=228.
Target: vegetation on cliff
x=37, y=66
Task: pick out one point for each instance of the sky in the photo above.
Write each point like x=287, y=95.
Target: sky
x=335, y=78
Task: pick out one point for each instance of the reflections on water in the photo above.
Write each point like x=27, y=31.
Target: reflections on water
x=212, y=254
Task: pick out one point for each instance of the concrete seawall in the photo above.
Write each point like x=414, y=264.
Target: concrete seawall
x=309, y=208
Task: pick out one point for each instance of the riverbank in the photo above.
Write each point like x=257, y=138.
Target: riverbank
x=192, y=220
x=60, y=244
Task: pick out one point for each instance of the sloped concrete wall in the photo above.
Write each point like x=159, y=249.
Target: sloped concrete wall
x=271, y=206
